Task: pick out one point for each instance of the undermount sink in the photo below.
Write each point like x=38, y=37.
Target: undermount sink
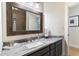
x=6, y=48
x=33, y=44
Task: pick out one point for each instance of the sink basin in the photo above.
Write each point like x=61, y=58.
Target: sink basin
x=33, y=44
x=6, y=48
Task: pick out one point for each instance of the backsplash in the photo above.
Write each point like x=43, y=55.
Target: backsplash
x=26, y=39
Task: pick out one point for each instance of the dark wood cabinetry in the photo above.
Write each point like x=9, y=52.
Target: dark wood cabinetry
x=59, y=48
x=54, y=49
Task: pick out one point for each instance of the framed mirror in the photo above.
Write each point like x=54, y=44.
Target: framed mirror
x=20, y=20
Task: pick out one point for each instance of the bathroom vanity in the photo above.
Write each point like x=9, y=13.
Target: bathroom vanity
x=46, y=47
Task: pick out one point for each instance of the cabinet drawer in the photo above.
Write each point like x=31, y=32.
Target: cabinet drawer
x=52, y=46
x=59, y=43
x=40, y=52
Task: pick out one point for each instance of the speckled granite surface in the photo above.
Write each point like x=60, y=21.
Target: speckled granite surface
x=21, y=48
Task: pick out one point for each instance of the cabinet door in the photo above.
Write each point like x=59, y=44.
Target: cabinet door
x=53, y=52
x=56, y=48
x=59, y=48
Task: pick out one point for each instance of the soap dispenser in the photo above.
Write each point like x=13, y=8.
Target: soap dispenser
x=47, y=33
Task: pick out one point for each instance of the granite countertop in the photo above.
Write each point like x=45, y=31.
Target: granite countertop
x=21, y=48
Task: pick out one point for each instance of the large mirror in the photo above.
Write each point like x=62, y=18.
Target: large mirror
x=22, y=21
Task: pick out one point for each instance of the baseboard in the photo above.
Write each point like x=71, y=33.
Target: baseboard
x=75, y=46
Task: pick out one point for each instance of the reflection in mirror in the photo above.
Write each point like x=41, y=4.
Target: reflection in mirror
x=33, y=21
x=25, y=20
x=18, y=19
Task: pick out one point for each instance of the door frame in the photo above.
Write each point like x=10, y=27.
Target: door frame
x=71, y=4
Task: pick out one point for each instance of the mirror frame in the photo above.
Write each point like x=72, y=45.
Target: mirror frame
x=9, y=20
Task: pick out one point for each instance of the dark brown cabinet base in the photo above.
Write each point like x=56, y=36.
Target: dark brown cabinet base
x=54, y=49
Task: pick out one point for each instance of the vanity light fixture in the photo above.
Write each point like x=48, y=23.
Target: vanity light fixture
x=34, y=4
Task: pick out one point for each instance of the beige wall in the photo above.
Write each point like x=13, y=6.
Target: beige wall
x=54, y=13
x=74, y=31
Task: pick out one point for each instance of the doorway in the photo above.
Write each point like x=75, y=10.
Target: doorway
x=73, y=29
